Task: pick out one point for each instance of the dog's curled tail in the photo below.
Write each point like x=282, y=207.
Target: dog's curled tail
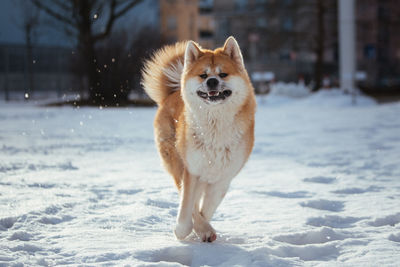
x=161, y=74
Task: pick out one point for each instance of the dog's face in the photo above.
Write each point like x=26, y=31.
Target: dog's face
x=214, y=77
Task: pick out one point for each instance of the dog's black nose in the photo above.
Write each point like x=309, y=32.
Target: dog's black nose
x=212, y=82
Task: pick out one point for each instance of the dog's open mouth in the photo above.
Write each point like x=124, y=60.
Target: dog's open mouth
x=214, y=95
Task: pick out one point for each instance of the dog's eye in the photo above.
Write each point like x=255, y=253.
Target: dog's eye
x=203, y=76
x=222, y=75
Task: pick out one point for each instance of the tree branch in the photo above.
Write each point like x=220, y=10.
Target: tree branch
x=114, y=15
x=127, y=7
x=39, y=4
x=61, y=4
x=109, y=24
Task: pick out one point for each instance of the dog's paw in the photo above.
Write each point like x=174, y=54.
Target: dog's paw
x=205, y=232
x=182, y=230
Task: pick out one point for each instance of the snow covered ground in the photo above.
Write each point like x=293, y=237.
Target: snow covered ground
x=85, y=187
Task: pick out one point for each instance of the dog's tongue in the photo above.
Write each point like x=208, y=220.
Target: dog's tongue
x=213, y=93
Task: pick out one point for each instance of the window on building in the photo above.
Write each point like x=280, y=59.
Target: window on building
x=288, y=2
x=171, y=23
x=287, y=24
x=206, y=6
x=261, y=22
x=369, y=51
x=260, y=5
x=240, y=5
x=205, y=34
x=284, y=55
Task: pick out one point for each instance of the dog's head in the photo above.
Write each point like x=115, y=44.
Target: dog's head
x=214, y=77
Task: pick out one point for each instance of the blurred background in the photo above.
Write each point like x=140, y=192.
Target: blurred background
x=90, y=52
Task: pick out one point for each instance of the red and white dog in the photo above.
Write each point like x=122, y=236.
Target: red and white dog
x=204, y=127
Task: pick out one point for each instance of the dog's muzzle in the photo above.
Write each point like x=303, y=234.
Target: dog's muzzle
x=214, y=95
x=214, y=92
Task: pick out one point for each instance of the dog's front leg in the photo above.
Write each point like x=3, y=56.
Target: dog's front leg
x=184, y=223
x=201, y=226
x=213, y=196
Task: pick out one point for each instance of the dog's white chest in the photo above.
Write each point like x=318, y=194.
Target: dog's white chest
x=215, y=152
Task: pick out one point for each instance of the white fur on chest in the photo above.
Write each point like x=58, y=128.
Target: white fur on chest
x=215, y=147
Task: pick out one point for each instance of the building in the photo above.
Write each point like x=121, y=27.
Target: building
x=292, y=38
x=206, y=24
x=178, y=20
x=378, y=43
x=277, y=36
x=267, y=31
x=187, y=20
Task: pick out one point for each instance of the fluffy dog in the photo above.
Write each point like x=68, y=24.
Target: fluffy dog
x=204, y=126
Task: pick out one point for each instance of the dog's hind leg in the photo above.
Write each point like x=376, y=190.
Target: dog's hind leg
x=184, y=223
x=172, y=161
x=166, y=143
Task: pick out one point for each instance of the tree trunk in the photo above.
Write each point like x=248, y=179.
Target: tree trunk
x=6, y=89
x=28, y=40
x=89, y=59
x=88, y=52
x=77, y=16
x=320, y=44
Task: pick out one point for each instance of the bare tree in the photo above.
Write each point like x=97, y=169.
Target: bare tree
x=318, y=32
x=121, y=60
x=326, y=13
x=29, y=22
x=78, y=18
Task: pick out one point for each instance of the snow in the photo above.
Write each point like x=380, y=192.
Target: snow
x=85, y=187
x=292, y=90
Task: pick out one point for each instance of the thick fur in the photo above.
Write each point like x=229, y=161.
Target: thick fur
x=204, y=135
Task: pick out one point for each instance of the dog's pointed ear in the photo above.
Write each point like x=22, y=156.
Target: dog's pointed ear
x=192, y=53
x=231, y=48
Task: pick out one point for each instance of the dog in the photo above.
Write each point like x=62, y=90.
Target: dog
x=204, y=125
